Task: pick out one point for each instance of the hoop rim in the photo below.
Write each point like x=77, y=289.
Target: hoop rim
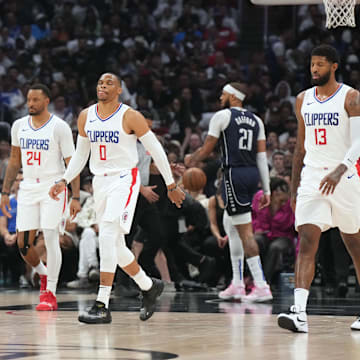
x=288, y=2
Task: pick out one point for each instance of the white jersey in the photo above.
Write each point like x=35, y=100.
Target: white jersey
x=43, y=149
x=112, y=149
x=327, y=128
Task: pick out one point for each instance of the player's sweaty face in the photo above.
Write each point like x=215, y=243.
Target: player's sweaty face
x=107, y=87
x=36, y=102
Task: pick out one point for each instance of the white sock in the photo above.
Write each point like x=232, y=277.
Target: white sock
x=144, y=282
x=40, y=268
x=301, y=297
x=104, y=295
x=237, y=264
x=51, y=286
x=256, y=271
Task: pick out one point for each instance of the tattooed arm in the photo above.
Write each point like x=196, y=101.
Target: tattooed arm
x=299, y=153
x=12, y=170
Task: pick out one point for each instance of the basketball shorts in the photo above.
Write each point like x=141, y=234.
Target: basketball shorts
x=115, y=197
x=340, y=209
x=238, y=189
x=36, y=210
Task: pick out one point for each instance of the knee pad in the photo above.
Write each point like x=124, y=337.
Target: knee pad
x=108, y=233
x=124, y=255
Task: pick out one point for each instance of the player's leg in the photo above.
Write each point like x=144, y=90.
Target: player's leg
x=27, y=223
x=261, y=291
x=236, y=290
x=50, y=225
x=296, y=319
x=25, y=241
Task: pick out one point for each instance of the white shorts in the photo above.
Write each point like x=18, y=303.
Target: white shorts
x=115, y=197
x=341, y=209
x=36, y=210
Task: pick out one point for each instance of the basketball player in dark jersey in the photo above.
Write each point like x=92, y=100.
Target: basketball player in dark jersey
x=244, y=162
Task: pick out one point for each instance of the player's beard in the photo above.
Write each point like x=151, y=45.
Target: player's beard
x=36, y=112
x=322, y=80
x=226, y=104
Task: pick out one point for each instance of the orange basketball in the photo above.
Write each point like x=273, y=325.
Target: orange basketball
x=194, y=179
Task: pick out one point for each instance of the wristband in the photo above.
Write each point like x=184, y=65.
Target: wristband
x=172, y=189
x=61, y=180
x=5, y=193
x=76, y=198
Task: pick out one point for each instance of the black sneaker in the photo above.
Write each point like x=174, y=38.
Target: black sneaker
x=148, y=301
x=97, y=314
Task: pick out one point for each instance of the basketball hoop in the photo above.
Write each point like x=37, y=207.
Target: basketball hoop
x=340, y=13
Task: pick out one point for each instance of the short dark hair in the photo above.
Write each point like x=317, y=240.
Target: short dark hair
x=329, y=52
x=43, y=88
x=278, y=183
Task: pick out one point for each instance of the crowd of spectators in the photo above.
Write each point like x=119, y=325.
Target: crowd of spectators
x=173, y=57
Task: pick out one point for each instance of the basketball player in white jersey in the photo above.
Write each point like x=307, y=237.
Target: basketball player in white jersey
x=325, y=187
x=40, y=142
x=109, y=130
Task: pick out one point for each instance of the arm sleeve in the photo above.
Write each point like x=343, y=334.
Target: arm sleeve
x=14, y=134
x=353, y=154
x=261, y=135
x=153, y=146
x=261, y=162
x=219, y=122
x=65, y=139
x=79, y=158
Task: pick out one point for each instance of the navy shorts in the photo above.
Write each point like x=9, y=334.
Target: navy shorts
x=239, y=187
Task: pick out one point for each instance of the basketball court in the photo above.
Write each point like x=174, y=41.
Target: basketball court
x=187, y=326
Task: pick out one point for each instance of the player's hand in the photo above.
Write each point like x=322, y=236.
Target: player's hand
x=176, y=196
x=264, y=201
x=75, y=207
x=5, y=205
x=148, y=193
x=56, y=189
x=222, y=241
x=330, y=181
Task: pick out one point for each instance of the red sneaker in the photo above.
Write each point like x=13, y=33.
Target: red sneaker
x=47, y=302
x=43, y=283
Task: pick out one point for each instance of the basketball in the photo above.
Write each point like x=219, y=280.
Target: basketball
x=194, y=179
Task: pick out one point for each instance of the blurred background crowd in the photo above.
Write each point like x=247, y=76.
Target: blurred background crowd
x=173, y=57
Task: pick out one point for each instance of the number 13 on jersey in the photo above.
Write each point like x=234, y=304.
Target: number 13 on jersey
x=320, y=136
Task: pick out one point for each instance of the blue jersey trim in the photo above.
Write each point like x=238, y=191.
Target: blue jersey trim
x=110, y=116
x=29, y=121
x=329, y=98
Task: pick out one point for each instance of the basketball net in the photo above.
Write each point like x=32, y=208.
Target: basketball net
x=340, y=13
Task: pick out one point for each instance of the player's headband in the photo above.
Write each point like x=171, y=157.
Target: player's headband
x=231, y=90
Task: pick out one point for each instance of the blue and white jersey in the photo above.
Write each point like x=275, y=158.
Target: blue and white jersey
x=327, y=128
x=112, y=149
x=43, y=149
x=239, y=130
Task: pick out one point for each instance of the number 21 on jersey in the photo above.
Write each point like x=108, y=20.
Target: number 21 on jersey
x=320, y=136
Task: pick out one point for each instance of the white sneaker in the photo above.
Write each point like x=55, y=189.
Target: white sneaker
x=295, y=320
x=356, y=324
